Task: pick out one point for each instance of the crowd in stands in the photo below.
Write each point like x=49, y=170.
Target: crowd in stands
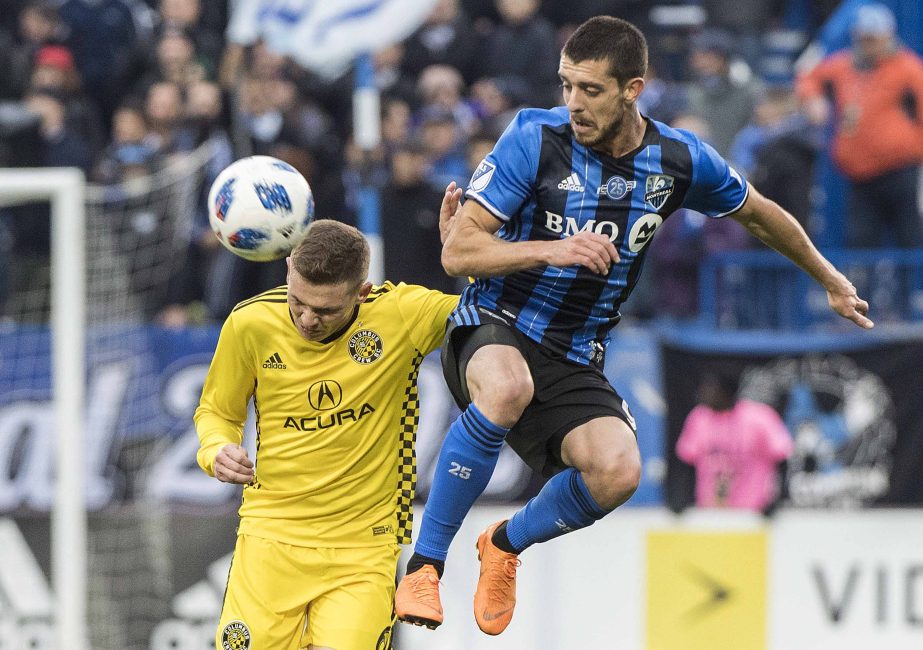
x=120, y=87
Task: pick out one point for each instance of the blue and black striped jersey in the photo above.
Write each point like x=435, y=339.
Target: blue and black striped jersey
x=543, y=185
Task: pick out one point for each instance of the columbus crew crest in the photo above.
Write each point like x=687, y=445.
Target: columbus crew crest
x=235, y=636
x=365, y=346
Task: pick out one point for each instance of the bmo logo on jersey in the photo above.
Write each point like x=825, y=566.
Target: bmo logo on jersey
x=569, y=226
x=642, y=231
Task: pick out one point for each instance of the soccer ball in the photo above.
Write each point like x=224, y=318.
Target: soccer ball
x=259, y=207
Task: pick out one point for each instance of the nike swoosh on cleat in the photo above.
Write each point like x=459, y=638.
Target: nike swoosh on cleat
x=493, y=617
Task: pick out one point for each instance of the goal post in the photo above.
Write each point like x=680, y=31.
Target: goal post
x=64, y=189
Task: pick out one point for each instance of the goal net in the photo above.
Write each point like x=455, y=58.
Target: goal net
x=133, y=245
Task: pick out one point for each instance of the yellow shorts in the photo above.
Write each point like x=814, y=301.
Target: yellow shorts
x=283, y=597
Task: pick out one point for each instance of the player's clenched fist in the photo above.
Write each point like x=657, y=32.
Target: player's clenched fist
x=592, y=250
x=233, y=466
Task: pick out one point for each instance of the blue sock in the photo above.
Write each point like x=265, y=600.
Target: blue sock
x=466, y=461
x=562, y=506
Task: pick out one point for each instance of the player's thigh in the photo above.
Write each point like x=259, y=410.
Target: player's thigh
x=269, y=586
x=483, y=358
x=356, y=610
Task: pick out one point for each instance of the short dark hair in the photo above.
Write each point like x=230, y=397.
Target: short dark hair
x=330, y=253
x=612, y=39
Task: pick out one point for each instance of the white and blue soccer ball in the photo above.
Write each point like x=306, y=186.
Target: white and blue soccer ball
x=260, y=207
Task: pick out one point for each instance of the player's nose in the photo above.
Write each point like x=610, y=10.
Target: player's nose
x=573, y=103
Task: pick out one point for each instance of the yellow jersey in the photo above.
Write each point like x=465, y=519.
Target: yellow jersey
x=336, y=421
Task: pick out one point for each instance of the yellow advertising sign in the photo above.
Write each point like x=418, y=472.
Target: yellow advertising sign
x=706, y=590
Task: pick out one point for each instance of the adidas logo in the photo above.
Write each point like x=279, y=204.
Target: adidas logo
x=274, y=362
x=571, y=184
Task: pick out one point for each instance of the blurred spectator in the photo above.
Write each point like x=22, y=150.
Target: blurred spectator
x=446, y=37
x=662, y=99
x=410, y=222
x=496, y=100
x=132, y=148
x=746, y=20
x=39, y=25
x=442, y=87
x=204, y=115
x=777, y=151
x=54, y=72
x=186, y=16
x=260, y=119
x=64, y=146
x=523, y=48
x=105, y=40
x=735, y=446
x=175, y=60
x=396, y=122
x=389, y=78
x=163, y=108
x=442, y=137
x=723, y=102
x=877, y=94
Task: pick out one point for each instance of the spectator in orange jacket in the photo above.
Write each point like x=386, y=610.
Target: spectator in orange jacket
x=876, y=91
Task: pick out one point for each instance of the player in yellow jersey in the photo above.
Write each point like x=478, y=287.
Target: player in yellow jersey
x=331, y=363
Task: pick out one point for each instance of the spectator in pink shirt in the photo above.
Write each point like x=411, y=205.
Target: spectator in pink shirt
x=735, y=446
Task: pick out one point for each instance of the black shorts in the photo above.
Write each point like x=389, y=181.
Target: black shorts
x=567, y=394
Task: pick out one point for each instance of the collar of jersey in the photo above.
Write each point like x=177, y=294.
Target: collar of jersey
x=333, y=337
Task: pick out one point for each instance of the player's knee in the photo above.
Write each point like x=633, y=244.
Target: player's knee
x=504, y=397
x=613, y=478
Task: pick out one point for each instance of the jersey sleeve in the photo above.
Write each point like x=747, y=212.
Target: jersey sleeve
x=426, y=313
x=222, y=411
x=717, y=189
x=505, y=179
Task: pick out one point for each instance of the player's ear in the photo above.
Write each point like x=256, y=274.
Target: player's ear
x=364, y=290
x=632, y=89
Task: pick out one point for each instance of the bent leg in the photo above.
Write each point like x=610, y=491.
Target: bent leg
x=604, y=471
x=500, y=385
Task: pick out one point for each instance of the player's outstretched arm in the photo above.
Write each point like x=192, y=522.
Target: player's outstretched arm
x=232, y=465
x=775, y=227
x=471, y=249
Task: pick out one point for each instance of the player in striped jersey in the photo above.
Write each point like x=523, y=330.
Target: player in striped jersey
x=555, y=229
x=331, y=363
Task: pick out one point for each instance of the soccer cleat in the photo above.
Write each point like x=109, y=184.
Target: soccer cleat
x=495, y=596
x=417, y=598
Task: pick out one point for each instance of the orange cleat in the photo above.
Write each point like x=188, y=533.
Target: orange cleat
x=417, y=598
x=495, y=596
